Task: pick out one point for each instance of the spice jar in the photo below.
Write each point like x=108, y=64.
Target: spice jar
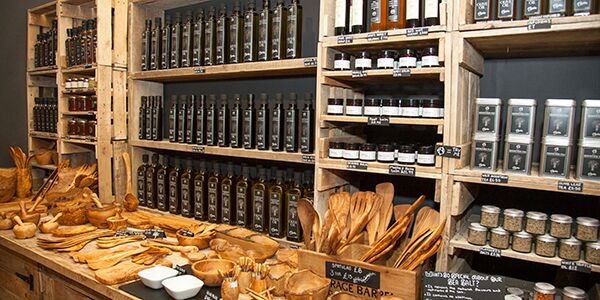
x=336, y=149
x=385, y=153
x=408, y=58
x=363, y=61
x=522, y=242
x=386, y=59
x=560, y=226
x=368, y=152
x=569, y=249
x=81, y=127
x=372, y=107
x=410, y=107
x=72, y=127
x=512, y=297
x=429, y=57
x=500, y=238
x=545, y=245
x=587, y=229
x=426, y=156
x=341, y=62
x=72, y=103
x=515, y=291
x=490, y=216
x=354, y=107
x=544, y=291
x=406, y=155
x=389, y=107
x=335, y=103
x=592, y=253
x=477, y=234
x=513, y=219
x=69, y=83
x=351, y=152
x=90, y=128
x=432, y=108
x=536, y=222
x=573, y=293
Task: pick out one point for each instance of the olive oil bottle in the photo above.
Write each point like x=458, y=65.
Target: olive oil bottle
x=175, y=187
x=156, y=45
x=291, y=125
x=200, y=193
x=236, y=35
x=210, y=38
x=201, y=121
x=157, y=119
x=176, y=42
x=294, y=30
x=250, y=42
x=260, y=189
x=222, y=56
x=292, y=195
x=265, y=31
x=151, y=182
x=198, y=36
x=263, y=134
x=279, y=23
x=228, y=204
x=162, y=185
x=165, y=51
x=242, y=198
x=187, y=188
x=191, y=122
x=277, y=124
x=146, y=45
x=277, y=207
x=182, y=119
x=223, y=123
x=142, y=118
x=307, y=125
x=149, y=121
x=211, y=122
x=249, y=124
x=141, y=180
x=214, y=194
x=235, y=122
x=173, y=116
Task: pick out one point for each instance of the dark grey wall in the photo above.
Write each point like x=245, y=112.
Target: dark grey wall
x=13, y=37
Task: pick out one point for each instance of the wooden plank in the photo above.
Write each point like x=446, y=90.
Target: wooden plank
x=470, y=58
x=120, y=33
x=468, y=25
x=396, y=37
x=12, y=266
x=75, y=11
x=393, y=120
x=463, y=195
x=45, y=8
x=326, y=19
x=104, y=33
x=119, y=180
x=119, y=105
x=376, y=76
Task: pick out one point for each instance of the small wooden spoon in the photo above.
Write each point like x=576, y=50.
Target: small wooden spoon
x=51, y=225
x=23, y=230
x=306, y=214
x=97, y=201
x=131, y=202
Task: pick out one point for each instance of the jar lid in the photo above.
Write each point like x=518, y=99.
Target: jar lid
x=390, y=102
x=500, y=231
x=488, y=101
x=591, y=103
x=560, y=102
x=512, y=297
x=385, y=147
x=544, y=288
x=490, y=209
x=515, y=291
x=341, y=56
x=363, y=54
x=536, y=215
x=547, y=238
x=368, y=147
x=407, y=148
x=571, y=241
x=388, y=54
x=337, y=145
x=513, y=212
x=573, y=292
x=352, y=146
x=430, y=49
x=558, y=218
x=426, y=149
x=523, y=235
x=593, y=245
x=587, y=221
x=477, y=227
x=407, y=52
x=522, y=102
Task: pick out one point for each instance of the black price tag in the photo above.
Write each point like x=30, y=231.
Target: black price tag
x=353, y=274
x=186, y=233
x=199, y=70
x=417, y=31
x=401, y=72
x=490, y=252
x=181, y=270
x=445, y=285
x=91, y=113
x=378, y=121
x=209, y=293
x=128, y=233
x=345, y=39
x=570, y=186
x=198, y=149
x=155, y=233
x=541, y=23
x=377, y=36
x=356, y=165
x=576, y=266
x=359, y=73
x=310, y=62
x=448, y=151
x=308, y=159
x=494, y=178
x=401, y=170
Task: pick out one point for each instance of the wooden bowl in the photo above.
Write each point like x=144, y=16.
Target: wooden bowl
x=278, y=277
x=202, y=242
x=72, y=215
x=44, y=157
x=97, y=216
x=306, y=285
x=206, y=270
x=8, y=183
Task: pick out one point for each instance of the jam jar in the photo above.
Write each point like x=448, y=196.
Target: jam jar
x=490, y=216
x=513, y=219
x=72, y=127
x=90, y=128
x=592, y=253
x=368, y=152
x=560, y=226
x=432, y=108
x=410, y=107
x=385, y=153
x=351, y=152
x=569, y=249
x=544, y=291
x=73, y=104
x=341, y=62
x=336, y=149
x=88, y=103
x=80, y=103
x=363, y=61
x=536, y=222
x=500, y=238
x=408, y=58
x=389, y=107
x=587, y=229
x=545, y=245
x=573, y=293
x=81, y=127
x=386, y=59
x=354, y=106
x=94, y=103
x=406, y=155
x=372, y=107
x=426, y=156
x=335, y=106
x=477, y=234
x=522, y=242
x=429, y=57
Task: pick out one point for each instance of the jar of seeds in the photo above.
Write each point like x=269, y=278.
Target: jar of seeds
x=544, y=291
x=536, y=222
x=560, y=226
x=500, y=238
x=569, y=249
x=522, y=241
x=477, y=234
x=513, y=219
x=592, y=253
x=573, y=293
x=587, y=229
x=545, y=245
x=490, y=216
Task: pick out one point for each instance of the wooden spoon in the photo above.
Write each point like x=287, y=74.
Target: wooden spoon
x=51, y=225
x=97, y=200
x=131, y=202
x=306, y=214
x=386, y=191
x=23, y=230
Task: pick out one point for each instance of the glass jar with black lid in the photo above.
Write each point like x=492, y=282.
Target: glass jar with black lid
x=385, y=153
x=368, y=152
x=429, y=57
x=351, y=151
x=354, y=106
x=386, y=59
x=335, y=102
x=363, y=61
x=389, y=107
x=341, y=62
x=426, y=156
x=407, y=58
x=406, y=155
x=336, y=149
x=432, y=107
x=410, y=107
x=372, y=107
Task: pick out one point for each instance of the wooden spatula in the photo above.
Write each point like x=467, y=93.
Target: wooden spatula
x=386, y=191
x=111, y=260
x=306, y=214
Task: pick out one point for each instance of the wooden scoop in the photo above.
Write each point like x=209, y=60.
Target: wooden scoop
x=306, y=214
x=51, y=225
x=23, y=230
x=26, y=216
x=117, y=222
x=130, y=202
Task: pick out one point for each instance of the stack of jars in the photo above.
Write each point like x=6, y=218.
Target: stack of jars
x=81, y=128
x=80, y=83
x=407, y=154
x=83, y=103
x=388, y=59
x=520, y=231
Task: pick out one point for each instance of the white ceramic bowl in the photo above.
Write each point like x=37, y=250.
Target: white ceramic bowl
x=183, y=287
x=154, y=276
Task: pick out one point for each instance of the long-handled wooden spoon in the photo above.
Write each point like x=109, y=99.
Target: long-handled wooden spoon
x=131, y=202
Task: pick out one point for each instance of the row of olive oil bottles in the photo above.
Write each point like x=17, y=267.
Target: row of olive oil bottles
x=242, y=36
x=81, y=44
x=255, y=197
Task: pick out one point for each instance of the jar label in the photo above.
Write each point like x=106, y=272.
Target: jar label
x=518, y=157
x=557, y=6
x=408, y=62
x=592, y=122
x=385, y=63
x=412, y=9
x=482, y=10
x=385, y=156
x=341, y=65
x=431, y=9
x=520, y=119
x=340, y=13
x=364, y=63
x=335, y=109
x=533, y=7
x=582, y=7
x=431, y=112
x=487, y=118
x=430, y=61
x=426, y=159
x=354, y=110
x=368, y=155
x=336, y=153
x=393, y=10
x=350, y=154
x=505, y=8
x=407, y=158
x=556, y=161
x=590, y=163
x=375, y=11
x=390, y=111
x=484, y=154
x=410, y=111
x=372, y=110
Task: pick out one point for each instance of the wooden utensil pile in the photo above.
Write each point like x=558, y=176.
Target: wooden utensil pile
x=82, y=258
x=113, y=259
x=73, y=243
x=150, y=256
x=66, y=231
x=112, y=241
x=24, y=179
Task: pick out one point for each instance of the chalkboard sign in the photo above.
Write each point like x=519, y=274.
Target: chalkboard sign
x=186, y=233
x=448, y=151
x=401, y=170
x=353, y=274
x=377, y=36
x=494, y=178
x=576, y=266
x=570, y=186
x=356, y=165
x=128, y=233
x=155, y=233
x=378, y=121
x=445, y=285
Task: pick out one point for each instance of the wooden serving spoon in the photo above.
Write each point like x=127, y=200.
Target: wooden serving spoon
x=131, y=202
x=51, y=225
x=306, y=214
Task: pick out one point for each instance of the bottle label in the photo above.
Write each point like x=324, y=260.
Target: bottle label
x=292, y=32
x=185, y=37
x=340, y=13
x=393, y=10
x=248, y=37
x=482, y=10
x=354, y=110
x=582, y=7
x=258, y=215
x=430, y=61
x=185, y=198
x=385, y=63
x=261, y=138
x=293, y=228
x=263, y=40
x=357, y=13
x=233, y=41
x=173, y=194
x=372, y=110
x=407, y=158
x=385, y=156
x=368, y=155
x=241, y=206
x=557, y=6
x=275, y=39
x=220, y=41
x=208, y=43
x=533, y=7
x=161, y=190
x=375, y=11
x=212, y=202
x=150, y=193
x=341, y=65
x=505, y=8
x=141, y=187
x=225, y=202
x=275, y=213
x=364, y=63
x=431, y=9
x=305, y=134
x=197, y=39
x=199, y=200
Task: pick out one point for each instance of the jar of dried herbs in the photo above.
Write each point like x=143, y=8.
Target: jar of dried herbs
x=560, y=226
x=500, y=238
x=569, y=249
x=513, y=219
x=587, y=229
x=536, y=222
x=545, y=245
x=477, y=234
x=490, y=216
x=544, y=291
x=592, y=253
x=522, y=242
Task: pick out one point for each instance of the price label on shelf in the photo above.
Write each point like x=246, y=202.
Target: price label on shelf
x=199, y=70
x=490, y=252
x=198, y=149
x=576, y=266
x=359, y=73
x=570, y=186
x=345, y=39
x=446, y=285
x=377, y=36
x=401, y=170
x=378, y=120
x=308, y=159
x=417, y=31
x=155, y=233
x=353, y=274
x=310, y=62
x=357, y=165
x=401, y=72
x=540, y=23
x=494, y=178
x=448, y=151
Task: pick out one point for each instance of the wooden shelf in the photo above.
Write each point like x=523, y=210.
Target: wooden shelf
x=81, y=141
x=79, y=91
x=79, y=113
x=43, y=71
x=523, y=23
x=379, y=168
x=393, y=120
x=226, y=151
x=83, y=70
x=532, y=181
x=396, y=37
x=45, y=167
x=384, y=76
x=44, y=9
x=277, y=68
x=43, y=135
x=459, y=241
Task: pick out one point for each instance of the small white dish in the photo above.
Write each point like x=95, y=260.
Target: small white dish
x=154, y=276
x=183, y=287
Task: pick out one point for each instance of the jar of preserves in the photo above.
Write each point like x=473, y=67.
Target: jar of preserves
x=587, y=229
x=336, y=149
x=80, y=103
x=368, y=152
x=410, y=107
x=477, y=234
x=536, y=222
x=522, y=242
x=432, y=108
x=385, y=153
x=389, y=107
x=90, y=128
x=72, y=103
x=81, y=127
x=351, y=152
x=341, y=62
x=335, y=106
x=545, y=245
x=429, y=57
x=363, y=61
x=592, y=253
x=386, y=59
x=72, y=127
x=573, y=293
x=490, y=216
x=499, y=238
x=354, y=107
x=513, y=219
x=560, y=226
x=406, y=155
x=544, y=291
x=372, y=107
x=407, y=58
x=569, y=249
x=88, y=104
x=426, y=156
x=94, y=103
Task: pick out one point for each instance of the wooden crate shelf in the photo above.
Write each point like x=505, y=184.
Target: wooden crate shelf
x=226, y=151
x=378, y=168
x=81, y=141
x=393, y=120
x=43, y=71
x=82, y=70
x=387, y=76
x=43, y=135
x=79, y=113
x=79, y=91
x=264, y=69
